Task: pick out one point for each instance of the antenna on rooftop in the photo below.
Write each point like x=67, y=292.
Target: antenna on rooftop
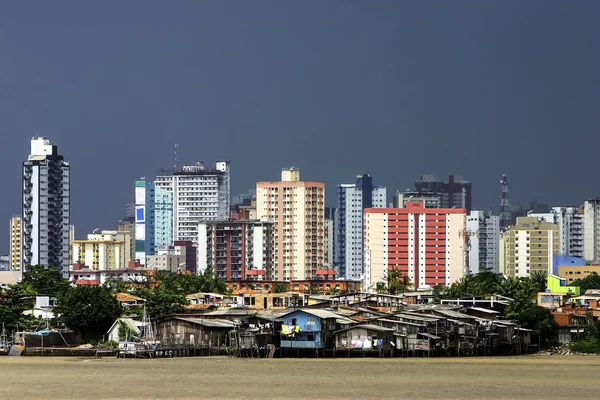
x=176, y=154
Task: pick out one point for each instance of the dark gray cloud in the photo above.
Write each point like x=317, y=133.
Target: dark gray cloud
x=391, y=88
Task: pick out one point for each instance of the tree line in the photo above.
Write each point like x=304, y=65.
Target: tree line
x=91, y=310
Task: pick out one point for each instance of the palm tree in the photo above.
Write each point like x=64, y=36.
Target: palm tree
x=539, y=280
x=510, y=287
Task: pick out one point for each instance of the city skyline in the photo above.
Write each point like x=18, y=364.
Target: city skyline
x=394, y=91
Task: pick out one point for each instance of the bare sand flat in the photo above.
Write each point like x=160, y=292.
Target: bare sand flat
x=529, y=377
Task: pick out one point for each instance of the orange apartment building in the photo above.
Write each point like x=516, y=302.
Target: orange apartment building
x=427, y=244
x=298, y=211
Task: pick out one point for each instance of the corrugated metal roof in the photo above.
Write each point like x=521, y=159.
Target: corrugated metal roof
x=429, y=335
x=208, y=323
x=370, y=327
x=316, y=312
x=400, y=322
x=454, y=314
x=417, y=318
x=485, y=310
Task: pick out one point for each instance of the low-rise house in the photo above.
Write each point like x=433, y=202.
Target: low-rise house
x=591, y=299
x=263, y=300
x=128, y=300
x=556, y=284
x=135, y=328
x=551, y=300
x=205, y=298
x=310, y=329
x=43, y=307
x=194, y=332
x=365, y=338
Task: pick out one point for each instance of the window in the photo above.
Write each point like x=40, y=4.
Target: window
x=311, y=321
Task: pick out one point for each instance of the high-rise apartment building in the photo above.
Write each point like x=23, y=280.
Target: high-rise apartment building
x=330, y=224
x=456, y=193
x=425, y=244
x=16, y=234
x=198, y=194
x=237, y=249
x=46, y=207
x=127, y=224
x=144, y=220
x=431, y=200
x=353, y=199
x=484, y=251
x=297, y=208
x=591, y=229
x=530, y=245
x=107, y=250
x=570, y=228
x=153, y=218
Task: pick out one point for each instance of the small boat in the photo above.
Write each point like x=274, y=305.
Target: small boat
x=143, y=346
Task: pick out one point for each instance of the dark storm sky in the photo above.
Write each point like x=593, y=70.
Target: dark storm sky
x=391, y=88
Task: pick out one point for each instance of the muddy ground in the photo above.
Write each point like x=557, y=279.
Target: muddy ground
x=527, y=377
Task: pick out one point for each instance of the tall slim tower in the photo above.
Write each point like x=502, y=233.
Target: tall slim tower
x=46, y=207
x=16, y=234
x=505, y=207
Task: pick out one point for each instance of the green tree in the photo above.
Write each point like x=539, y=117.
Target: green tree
x=591, y=281
x=44, y=281
x=13, y=302
x=510, y=287
x=521, y=302
x=541, y=321
x=126, y=331
x=161, y=302
x=116, y=285
x=88, y=310
x=439, y=293
x=397, y=282
x=538, y=280
x=280, y=288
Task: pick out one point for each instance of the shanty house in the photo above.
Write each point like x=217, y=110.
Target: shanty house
x=310, y=328
x=194, y=332
x=364, y=338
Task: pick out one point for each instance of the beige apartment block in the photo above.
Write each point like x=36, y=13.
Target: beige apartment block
x=574, y=272
x=107, y=250
x=16, y=243
x=530, y=245
x=298, y=210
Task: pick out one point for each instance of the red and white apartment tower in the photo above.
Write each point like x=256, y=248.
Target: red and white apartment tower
x=427, y=244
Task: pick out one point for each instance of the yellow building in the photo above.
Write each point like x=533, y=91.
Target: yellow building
x=298, y=210
x=127, y=225
x=530, y=245
x=573, y=272
x=502, y=253
x=16, y=243
x=108, y=250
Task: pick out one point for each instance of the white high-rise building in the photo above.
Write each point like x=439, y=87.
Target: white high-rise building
x=46, y=207
x=570, y=228
x=591, y=230
x=484, y=240
x=353, y=199
x=199, y=194
x=329, y=261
